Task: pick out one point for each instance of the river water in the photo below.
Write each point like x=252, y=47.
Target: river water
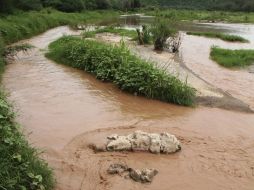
x=63, y=109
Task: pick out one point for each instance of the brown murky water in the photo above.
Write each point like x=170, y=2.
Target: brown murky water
x=239, y=82
x=63, y=110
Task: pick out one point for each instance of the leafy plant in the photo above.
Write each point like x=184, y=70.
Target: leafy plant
x=144, y=36
x=161, y=30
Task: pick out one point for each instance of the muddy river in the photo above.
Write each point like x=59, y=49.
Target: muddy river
x=63, y=110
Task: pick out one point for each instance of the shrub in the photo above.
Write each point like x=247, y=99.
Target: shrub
x=161, y=30
x=116, y=64
x=144, y=36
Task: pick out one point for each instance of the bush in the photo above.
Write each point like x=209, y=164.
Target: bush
x=161, y=30
x=116, y=64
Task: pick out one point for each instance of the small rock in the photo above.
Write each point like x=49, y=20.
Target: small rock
x=147, y=175
x=143, y=176
x=117, y=169
x=135, y=175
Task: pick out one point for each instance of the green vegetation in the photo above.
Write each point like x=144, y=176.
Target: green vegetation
x=161, y=30
x=232, y=58
x=201, y=15
x=10, y=6
x=116, y=64
x=232, y=5
x=24, y=25
x=144, y=35
x=20, y=165
x=225, y=37
x=114, y=30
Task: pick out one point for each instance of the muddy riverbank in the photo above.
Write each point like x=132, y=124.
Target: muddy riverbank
x=63, y=110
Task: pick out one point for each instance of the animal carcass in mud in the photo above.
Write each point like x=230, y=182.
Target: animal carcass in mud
x=143, y=176
x=142, y=141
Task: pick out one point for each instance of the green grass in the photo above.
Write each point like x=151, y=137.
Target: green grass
x=20, y=165
x=113, y=30
x=225, y=37
x=199, y=15
x=232, y=58
x=26, y=24
x=116, y=64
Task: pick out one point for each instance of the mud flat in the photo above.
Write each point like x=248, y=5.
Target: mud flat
x=64, y=110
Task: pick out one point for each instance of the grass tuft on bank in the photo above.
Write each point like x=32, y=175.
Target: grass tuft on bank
x=232, y=58
x=225, y=37
x=116, y=64
x=113, y=30
x=21, y=168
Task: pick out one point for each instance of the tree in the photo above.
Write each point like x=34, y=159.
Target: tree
x=6, y=6
x=103, y=4
x=29, y=4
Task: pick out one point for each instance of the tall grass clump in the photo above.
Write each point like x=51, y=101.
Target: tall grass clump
x=161, y=30
x=116, y=64
x=225, y=37
x=144, y=35
x=232, y=58
x=21, y=168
